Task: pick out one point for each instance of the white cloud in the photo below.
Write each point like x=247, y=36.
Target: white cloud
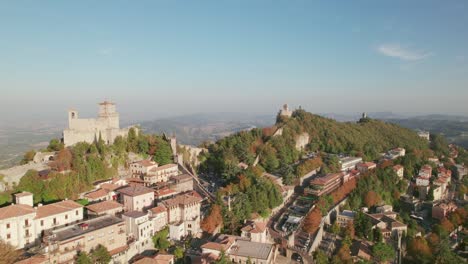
x=397, y=51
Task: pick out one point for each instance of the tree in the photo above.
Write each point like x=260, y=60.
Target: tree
x=371, y=199
x=100, y=255
x=419, y=251
x=320, y=257
x=179, y=253
x=344, y=254
x=383, y=252
x=378, y=237
x=430, y=194
x=160, y=239
x=223, y=259
x=335, y=228
x=55, y=145
x=28, y=156
x=8, y=253
x=83, y=258
x=163, y=152
x=349, y=230
x=213, y=220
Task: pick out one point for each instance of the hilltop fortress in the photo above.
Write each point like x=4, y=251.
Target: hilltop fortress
x=106, y=126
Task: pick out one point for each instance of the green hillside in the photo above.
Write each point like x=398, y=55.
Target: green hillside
x=366, y=138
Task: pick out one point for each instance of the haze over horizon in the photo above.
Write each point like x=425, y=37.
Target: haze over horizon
x=159, y=59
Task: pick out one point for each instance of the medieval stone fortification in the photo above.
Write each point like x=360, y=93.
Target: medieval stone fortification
x=106, y=126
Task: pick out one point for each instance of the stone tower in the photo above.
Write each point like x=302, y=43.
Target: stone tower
x=107, y=112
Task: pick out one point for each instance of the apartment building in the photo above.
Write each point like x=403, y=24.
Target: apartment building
x=364, y=167
x=161, y=174
x=22, y=225
x=136, y=198
x=183, y=214
x=326, y=184
x=159, y=216
x=139, y=230
x=349, y=163
x=63, y=244
x=142, y=167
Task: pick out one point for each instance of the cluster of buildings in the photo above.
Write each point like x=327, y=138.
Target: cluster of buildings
x=351, y=167
x=439, y=185
x=123, y=216
x=238, y=249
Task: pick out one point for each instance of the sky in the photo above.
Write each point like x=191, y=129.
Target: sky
x=163, y=58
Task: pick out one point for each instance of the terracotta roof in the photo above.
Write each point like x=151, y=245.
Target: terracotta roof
x=182, y=177
x=110, y=186
x=135, y=190
x=37, y=259
x=215, y=246
x=182, y=199
x=134, y=214
x=104, y=206
x=15, y=210
x=158, y=209
x=96, y=194
x=164, y=192
x=367, y=164
x=164, y=167
x=56, y=208
x=147, y=163
x=118, y=250
x=158, y=259
x=327, y=178
x=255, y=227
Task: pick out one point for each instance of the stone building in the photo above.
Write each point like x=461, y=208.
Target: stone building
x=106, y=126
x=183, y=214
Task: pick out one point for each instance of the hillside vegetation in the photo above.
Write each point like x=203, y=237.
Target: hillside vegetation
x=366, y=138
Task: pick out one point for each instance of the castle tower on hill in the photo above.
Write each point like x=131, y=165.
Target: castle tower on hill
x=105, y=126
x=285, y=111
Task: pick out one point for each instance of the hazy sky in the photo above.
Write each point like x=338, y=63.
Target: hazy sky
x=160, y=58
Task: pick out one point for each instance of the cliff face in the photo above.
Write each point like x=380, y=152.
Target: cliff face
x=302, y=140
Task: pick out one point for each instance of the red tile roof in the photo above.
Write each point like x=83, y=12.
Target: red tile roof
x=56, y=208
x=100, y=193
x=37, y=259
x=158, y=209
x=15, y=210
x=135, y=190
x=104, y=206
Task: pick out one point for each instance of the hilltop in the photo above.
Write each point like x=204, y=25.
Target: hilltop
x=282, y=144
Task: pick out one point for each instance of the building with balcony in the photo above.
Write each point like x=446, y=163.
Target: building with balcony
x=326, y=184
